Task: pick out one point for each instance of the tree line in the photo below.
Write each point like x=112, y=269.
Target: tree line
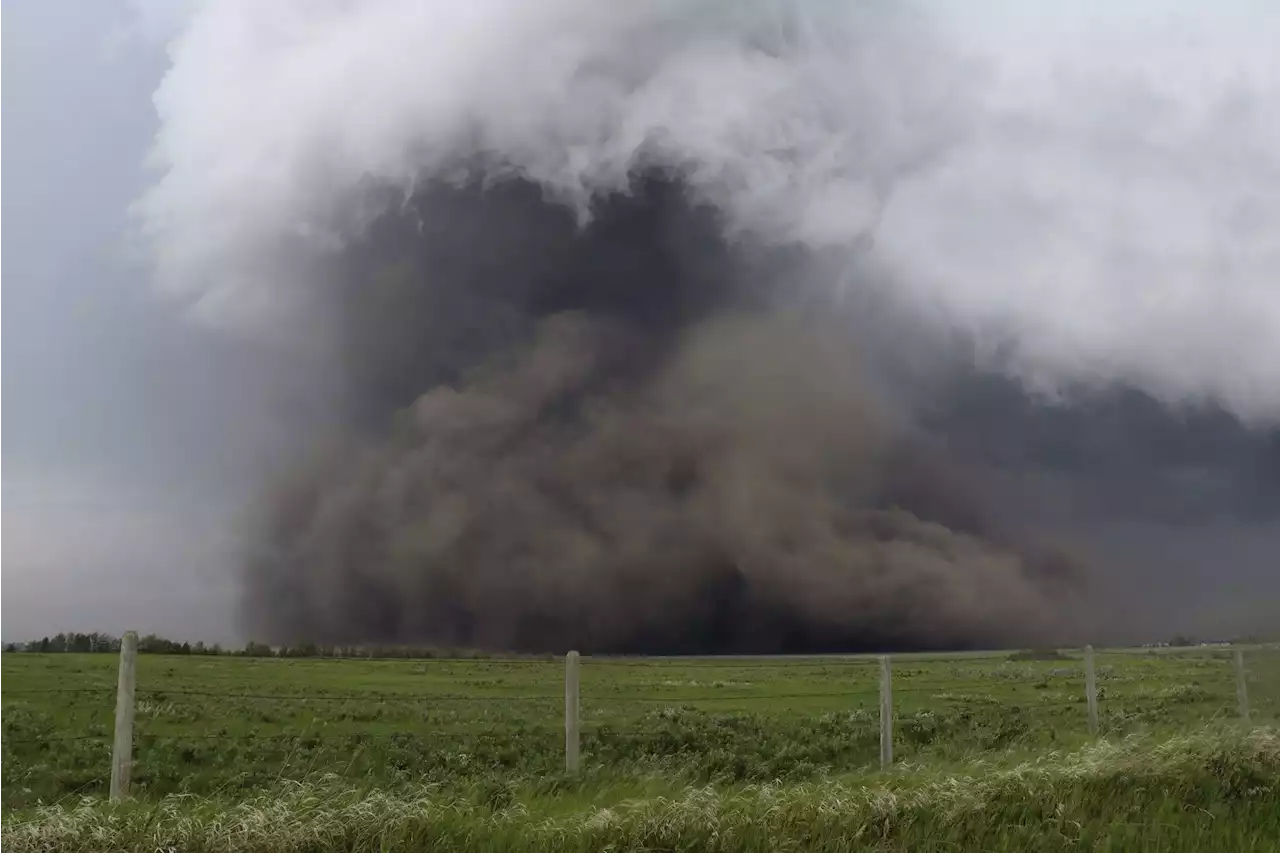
x=97, y=642
x=154, y=644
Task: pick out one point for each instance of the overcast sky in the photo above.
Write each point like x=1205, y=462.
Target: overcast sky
x=134, y=436
x=121, y=454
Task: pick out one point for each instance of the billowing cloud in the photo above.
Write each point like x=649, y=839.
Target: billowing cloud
x=632, y=309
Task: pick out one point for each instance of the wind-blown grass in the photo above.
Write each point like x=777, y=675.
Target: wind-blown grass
x=1216, y=789
x=233, y=727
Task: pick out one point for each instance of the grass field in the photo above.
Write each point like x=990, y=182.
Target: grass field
x=434, y=751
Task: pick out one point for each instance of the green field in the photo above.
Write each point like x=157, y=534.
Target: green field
x=469, y=753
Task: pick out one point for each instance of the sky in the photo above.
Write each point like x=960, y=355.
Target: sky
x=135, y=436
x=121, y=450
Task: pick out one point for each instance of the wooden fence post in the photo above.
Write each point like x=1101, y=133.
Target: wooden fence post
x=122, y=748
x=886, y=713
x=1091, y=690
x=571, y=741
x=1242, y=688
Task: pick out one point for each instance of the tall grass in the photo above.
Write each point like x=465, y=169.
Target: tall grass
x=234, y=727
x=1217, y=789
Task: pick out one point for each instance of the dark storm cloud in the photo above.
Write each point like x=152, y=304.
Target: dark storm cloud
x=694, y=326
x=629, y=436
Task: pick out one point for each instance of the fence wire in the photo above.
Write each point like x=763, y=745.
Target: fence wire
x=646, y=718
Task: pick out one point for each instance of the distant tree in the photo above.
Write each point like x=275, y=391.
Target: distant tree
x=156, y=645
x=1181, y=640
x=255, y=649
x=61, y=643
x=306, y=650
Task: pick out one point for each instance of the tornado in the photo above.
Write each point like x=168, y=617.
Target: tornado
x=683, y=327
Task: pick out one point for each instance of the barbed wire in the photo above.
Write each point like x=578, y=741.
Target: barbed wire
x=147, y=738
x=1222, y=653
x=959, y=690
x=1013, y=696
x=53, y=691
x=738, y=663
x=355, y=697
x=600, y=730
x=956, y=691
x=23, y=741
x=718, y=697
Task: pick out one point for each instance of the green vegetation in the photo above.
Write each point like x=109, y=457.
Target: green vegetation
x=238, y=753
x=153, y=644
x=1040, y=654
x=1213, y=790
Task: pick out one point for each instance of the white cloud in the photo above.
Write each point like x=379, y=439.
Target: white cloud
x=1118, y=205
x=1098, y=181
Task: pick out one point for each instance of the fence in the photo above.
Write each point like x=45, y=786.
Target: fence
x=828, y=699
